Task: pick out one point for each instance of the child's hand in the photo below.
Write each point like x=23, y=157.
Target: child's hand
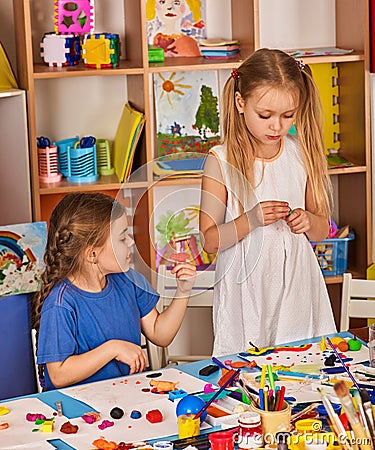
x=299, y=221
x=130, y=354
x=185, y=274
x=268, y=212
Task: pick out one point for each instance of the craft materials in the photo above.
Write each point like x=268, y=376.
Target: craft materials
x=208, y=370
x=249, y=431
x=217, y=393
x=163, y=445
x=343, y=393
x=220, y=363
x=304, y=411
x=59, y=408
x=163, y=386
x=270, y=377
x=191, y=404
x=222, y=440
x=188, y=426
x=367, y=406
x=274, y=421
x=116, y=413
x=336, y=423
x=342, y=362
x=362, y=416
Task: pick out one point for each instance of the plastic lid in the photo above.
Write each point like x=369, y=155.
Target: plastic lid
x=250, y=418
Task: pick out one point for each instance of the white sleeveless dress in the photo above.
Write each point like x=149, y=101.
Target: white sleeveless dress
x=270, y=289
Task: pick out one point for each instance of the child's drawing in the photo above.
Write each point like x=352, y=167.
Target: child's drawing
x=175, y=25
x=21, y=257
x=176, y=223
x=187, y=111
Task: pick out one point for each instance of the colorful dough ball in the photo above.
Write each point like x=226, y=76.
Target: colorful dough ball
x=116, y=413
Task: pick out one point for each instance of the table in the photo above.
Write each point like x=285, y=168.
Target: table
x=101, y=395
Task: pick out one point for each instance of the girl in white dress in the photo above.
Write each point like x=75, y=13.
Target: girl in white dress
x=265, y=194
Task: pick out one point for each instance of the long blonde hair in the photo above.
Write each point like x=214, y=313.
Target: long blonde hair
x=275, y=69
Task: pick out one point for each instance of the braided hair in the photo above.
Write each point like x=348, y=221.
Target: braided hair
x=79, y=221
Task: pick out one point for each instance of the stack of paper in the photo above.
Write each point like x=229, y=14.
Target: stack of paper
x=219, y=48
x=127, y=136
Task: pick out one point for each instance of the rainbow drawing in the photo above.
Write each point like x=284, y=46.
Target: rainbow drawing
x=9, y=240
x=21, y=257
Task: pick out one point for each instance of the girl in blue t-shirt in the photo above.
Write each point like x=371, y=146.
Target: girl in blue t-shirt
x=92, y=307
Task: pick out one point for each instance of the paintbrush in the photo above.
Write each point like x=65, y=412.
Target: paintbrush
x=362, y=416
x=342, y=363
x=304, y=411
x=367, y=406
x=336, y=423
x=246, y=392
x=217, y=393
x=343, y=393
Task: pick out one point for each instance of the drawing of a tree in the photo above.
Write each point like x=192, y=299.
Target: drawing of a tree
x=207, y=115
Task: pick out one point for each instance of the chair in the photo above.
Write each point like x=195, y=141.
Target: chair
x=33, y=342
x=357, y=300
x=201, y=297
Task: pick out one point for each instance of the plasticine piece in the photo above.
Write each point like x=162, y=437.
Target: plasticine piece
x=354, y=344
x=32, y=417
x=135, y=414
x=3, y=410
x=164, y=386
x=330, y=361
x=69, y=428
x=4, y=425
x=154, y=416
x=102, y=444
x=116, y=413
x=91, y=417
x=343, y=346
x=105, y=424
x=323, y=344
x=47, y=426
x=336, y=340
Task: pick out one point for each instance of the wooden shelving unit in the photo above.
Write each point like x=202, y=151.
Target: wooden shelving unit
x=134, y=78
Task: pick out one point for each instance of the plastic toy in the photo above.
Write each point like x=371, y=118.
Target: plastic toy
x=103, y=157
x=163, y=386
x=191, y=404
x=101, y=50
x=48, y=161
x=59, y=50
x=47, y=426
x=178, y=393
x=74, y=16
x=154, y=416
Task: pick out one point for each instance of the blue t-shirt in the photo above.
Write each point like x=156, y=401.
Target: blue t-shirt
x=75, y=321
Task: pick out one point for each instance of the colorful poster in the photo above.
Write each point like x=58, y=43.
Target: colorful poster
x=21, y=257
x=176, y=26
x=187, y=111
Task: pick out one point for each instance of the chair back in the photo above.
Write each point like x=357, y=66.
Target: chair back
x=357, y=301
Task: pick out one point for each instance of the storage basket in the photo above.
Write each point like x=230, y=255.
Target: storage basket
x=48, y=165
x=82, y=165
x=332, y=255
